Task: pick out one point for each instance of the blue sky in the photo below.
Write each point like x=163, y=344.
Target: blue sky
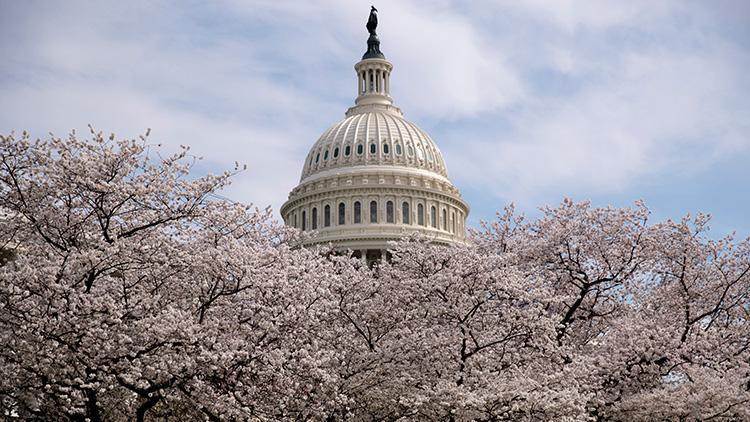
x=530, y=101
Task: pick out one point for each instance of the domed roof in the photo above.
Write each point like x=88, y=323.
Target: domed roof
x=374, y=138
x=374, y=177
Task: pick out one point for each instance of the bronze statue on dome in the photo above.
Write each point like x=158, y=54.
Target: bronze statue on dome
x=373, y=43
x=372, y=21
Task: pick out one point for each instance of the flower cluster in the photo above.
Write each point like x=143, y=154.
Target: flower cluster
x=131, y=290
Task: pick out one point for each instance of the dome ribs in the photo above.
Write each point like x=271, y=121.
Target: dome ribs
x=388, y=129
x=380, y=123
x=417, y=149
x=366, y=154
x=400, y=134
x=345, y=136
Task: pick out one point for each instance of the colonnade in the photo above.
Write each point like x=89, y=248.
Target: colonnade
x=385, y=209
x=373, y=79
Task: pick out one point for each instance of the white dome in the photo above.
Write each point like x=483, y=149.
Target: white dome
x=374, y=138
x=374, y=176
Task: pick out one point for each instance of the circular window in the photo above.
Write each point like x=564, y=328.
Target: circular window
x=336, y=152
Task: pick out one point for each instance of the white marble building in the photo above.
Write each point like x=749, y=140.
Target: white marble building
x=374, y=176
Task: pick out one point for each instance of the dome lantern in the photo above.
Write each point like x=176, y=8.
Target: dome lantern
x=373, y=86
x=373, y=75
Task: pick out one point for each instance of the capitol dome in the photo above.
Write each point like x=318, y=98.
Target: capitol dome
x=374, y=176
x=374, y=139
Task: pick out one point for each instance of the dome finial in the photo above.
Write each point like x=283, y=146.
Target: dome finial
x=373, y=43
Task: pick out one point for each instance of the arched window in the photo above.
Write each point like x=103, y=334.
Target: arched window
x=336, y=152
x=314, y=222
x=445, y=220
x=373, y=148
x=357, y=212
x=410, y=150
x=317, y=158
x=433, y=217
x=389, y=212
x=325, y=155
x=360, y=149
x=304, y=220
x=405, y=213
x=398, y=149
x=347, y=150
x=327, y=216
x=373, y=212
x=342, y=214
x=420, y=214
x=386, y=150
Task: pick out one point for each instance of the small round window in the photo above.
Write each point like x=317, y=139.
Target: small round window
x=336, y=152
x=398, y=149
x=386, y=149
x=348, y=150
x=373, y=148
x=360, y=149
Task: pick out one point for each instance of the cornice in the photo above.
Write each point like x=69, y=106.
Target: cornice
x=369, y=169
x=364, y=190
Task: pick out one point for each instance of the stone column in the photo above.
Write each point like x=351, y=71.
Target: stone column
x=381, y=78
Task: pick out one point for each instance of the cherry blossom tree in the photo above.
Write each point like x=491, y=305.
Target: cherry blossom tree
x=131, y=290
x=134, y=290
x=451, y=333
x=654, y=318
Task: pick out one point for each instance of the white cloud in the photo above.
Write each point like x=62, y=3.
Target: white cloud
x=444, y=66
x=217, y=95
x=571, y=15
x=653, y=114
x=527, y=97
